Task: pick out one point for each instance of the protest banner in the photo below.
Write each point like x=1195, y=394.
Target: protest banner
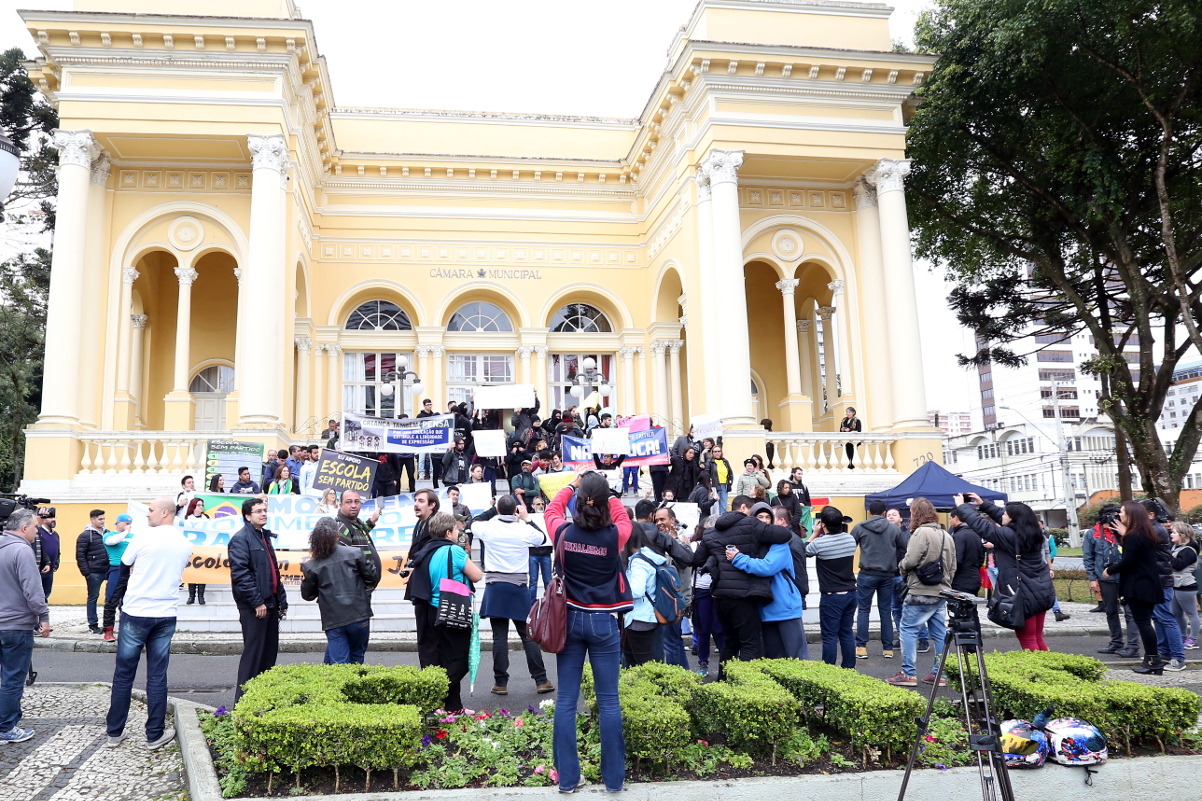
x=211, y=565
x=489, y=442
x=477, y=497
x=219, y=505
x=636, y=422
x=504, y=396
x=648, y=447
x=224, y=457
x=344, y=471
x=687, y=514
x=551, y=483
x=611, y=440
x=707, y=425
x=361, y=433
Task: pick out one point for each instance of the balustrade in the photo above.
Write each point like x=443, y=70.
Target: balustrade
x=128, y=453
x=822, y=452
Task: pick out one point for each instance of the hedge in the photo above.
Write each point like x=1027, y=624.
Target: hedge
x=370, y=716
x=871, y=712
x=1027, y=682
x=750, y=710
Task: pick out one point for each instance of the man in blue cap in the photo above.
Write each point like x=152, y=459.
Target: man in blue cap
x=115, y=543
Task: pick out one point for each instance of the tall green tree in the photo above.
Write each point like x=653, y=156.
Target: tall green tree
x=1058, y=178
x=27, y=120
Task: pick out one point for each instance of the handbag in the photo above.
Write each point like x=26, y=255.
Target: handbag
x=454, y=601
x=547, y=623
x=1006, y=603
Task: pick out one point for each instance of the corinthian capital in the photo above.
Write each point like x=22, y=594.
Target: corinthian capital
x=788, y=286
x=865, y=194
x=723, y=166
x=186, y=275
x=268, y=152
x=889, y=175
x=100, y=169
x=703, y=183
x=75, y=147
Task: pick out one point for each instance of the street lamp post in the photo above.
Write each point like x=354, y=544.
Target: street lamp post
x=589, y=378
x=401, y=376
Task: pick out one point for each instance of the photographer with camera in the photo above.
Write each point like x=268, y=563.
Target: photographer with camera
x=1017, y=543
x=1101, y=550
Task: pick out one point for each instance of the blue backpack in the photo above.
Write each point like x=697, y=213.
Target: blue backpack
x=669, y=603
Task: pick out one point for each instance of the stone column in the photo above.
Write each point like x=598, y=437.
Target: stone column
x=797, y=408
x=626, y=354
x=438, y=386
x=540, y=378
x=828, y=355
x=909, y=391
x=334, y=382
x=303, y=387
x=732, y=348
x=643, y=406
x=137, y=348
x=677, y=392
x=124, y=336
x=95, y=269
x=524, y=354
x=264, y=277
x=712, y=310
x=177, y=415
x=875, y=392
x=64, y=319
x=319, y=385
x=843, y=340
x=805, y=348
x=422, y=354
x=659, y=372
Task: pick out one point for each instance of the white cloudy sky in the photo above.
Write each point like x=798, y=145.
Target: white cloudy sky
x=549, y=56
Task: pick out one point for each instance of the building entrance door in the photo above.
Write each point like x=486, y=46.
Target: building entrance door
x=209, y=388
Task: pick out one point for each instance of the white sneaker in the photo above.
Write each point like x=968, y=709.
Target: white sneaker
x=113, y=742
x=167, y=737
x=16, y=735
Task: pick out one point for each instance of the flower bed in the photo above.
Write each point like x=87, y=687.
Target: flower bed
x=323, y=724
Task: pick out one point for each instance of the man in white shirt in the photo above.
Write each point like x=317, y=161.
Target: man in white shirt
x=308, y=472
x=507, y=538
x=154, y=561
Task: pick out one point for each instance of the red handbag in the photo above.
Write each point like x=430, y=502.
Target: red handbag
x=547, y=623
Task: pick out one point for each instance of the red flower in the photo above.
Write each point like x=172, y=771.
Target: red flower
x=440, y=734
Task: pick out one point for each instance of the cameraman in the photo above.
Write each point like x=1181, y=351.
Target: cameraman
x=1100, y=550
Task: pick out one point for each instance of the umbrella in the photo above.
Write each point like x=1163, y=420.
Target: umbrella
x=473, y=652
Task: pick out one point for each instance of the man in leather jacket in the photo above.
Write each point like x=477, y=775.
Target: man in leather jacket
x=258, y=592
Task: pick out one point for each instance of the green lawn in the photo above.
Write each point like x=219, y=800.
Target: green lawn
x=1067, y=551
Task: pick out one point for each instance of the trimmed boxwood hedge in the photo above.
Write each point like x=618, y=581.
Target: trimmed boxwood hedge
x=1027, y=682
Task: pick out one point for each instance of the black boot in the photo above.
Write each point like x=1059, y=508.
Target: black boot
x=191, y=594
x=1098, y=608
x=200, y=594
x=1153, y=666
x=1061, y=616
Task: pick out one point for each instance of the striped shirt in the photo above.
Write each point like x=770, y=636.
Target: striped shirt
x=835, y=553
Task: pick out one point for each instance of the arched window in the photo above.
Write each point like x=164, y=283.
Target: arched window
x=378, y=315
x=216, y=379
x=580, y=318
x=479, y=316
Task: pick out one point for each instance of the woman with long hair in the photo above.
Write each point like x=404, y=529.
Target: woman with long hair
x=328, y=505
x=195, y=510
x=1185, y=582
x=217, y=483
x=785, y=499
x=1139, y=578
x=703, y=494
x=683, y=475
x=283, y=483
x=340, y=578
x=1017, y=546
x=721, y=476
x=924, y=605
x=850, y=424
x=644, y=634
x=596, y=590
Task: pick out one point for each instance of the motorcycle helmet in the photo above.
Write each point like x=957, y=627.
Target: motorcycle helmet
x=1023, y=745
x=1073, y=741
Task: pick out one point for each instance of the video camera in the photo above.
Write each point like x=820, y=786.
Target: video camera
x=1108, y=514
x=1157, y=507
x=10, y=503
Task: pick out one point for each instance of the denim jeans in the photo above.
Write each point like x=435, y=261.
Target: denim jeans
x=594, y=634
x=674, y=653
x=923, y=632
x=346, y=645
x=94, y=581
x=723, y=499
x=882, y=587
x=110, y=582
x=16, y=651
x=914, y=616
x=785, y=639
x=836, y=611
x=706, y=625
x=630, y=479
x=537, y=564
x=47, y=583
x=1168, y=633
x=154, y=634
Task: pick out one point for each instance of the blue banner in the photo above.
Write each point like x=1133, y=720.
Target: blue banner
x=648, y=447
x=361, y=433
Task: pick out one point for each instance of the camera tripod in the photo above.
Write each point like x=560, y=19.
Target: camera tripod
x=964, y=634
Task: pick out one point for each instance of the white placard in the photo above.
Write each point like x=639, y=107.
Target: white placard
x=475, y=496
x=707, y=425
x=611, y=440
x=689, y=514
x=505, y=396
x=489, y=442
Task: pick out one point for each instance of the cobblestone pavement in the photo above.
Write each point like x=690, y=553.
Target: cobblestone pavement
x=67, y=760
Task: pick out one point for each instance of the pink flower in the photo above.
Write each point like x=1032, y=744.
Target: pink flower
x=517, y=722
x=540, y=770
x=930, y=739
x=703, y=742
x=554, y=775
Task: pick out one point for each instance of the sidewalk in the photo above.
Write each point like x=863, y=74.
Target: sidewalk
x=67, y=759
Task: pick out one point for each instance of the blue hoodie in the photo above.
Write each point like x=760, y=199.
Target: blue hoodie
x=786, y=599
x=642, y=585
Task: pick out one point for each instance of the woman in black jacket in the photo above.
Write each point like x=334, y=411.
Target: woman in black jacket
x=1139, y=578
x=788, y=501
x=703, y=495
x=683, y=475
x=1017, y=543
x=340, y=578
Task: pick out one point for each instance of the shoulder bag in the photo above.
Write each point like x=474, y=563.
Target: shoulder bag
x=1006, y=603
x=454, y=600
x=547, y=623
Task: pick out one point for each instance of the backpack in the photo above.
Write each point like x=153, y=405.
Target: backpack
x=931, y=574
x=668, y=602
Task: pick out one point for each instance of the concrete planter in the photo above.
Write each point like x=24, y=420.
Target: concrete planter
x=1118, y=780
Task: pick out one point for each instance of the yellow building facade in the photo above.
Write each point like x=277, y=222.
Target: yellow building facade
x=236, y=257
